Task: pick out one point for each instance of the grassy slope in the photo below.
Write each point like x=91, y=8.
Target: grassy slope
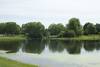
x=9, y=63
x=83, y=37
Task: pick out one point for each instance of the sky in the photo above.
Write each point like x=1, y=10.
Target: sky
x=49, y=11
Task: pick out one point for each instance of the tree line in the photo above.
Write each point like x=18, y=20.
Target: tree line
x=9, y=28
x=38, y=30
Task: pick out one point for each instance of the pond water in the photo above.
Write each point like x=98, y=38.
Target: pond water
x=53, y=53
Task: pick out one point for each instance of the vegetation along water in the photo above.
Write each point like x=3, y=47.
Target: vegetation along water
x=72, y=30
x=32, y=43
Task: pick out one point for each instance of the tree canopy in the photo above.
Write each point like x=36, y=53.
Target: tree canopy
x=89, y=28
x=55, y=29
x=97, y=28
x=37, y=29
x=33, y=29
x=9, y=28
x=12, y=28
x=74, y=24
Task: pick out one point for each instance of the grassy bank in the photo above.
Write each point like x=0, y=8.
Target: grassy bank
x=9, y=63
x=22, y=37
x=12, y=38
x=83, y=37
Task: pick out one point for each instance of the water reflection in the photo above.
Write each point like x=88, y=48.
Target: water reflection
x=37, y=46
x=73, y=47
x=91, y=45
x=55, y=46
x=10, y=46
x=34, y=46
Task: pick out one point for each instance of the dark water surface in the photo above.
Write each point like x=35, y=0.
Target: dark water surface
x=53, y=53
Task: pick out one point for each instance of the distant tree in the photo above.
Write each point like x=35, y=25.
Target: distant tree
x=33, y=29
x=11, y=28
x=46, y=33
x=18, y=29
x=67, y=33
x=74, y=24
x=97, y=27
x=55, y=29
x=2, y=28
x=89, y=28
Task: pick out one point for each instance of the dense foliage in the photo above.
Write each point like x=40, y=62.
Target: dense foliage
x=89, y=28
x=55, y=29
x=37, y=30
x=33, y=29
x=74, y=24
x=9, y=28
x=97, y=28
x=67, y=33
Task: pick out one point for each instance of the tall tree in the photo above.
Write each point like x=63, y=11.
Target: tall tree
x=74, y=24
x=12, y=28
x=97, y=27
x=55, y=29
x=89, y=28
x=33, y=29
x=2, y=28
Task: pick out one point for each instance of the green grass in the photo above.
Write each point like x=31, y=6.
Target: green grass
x=12, y=38
x=22, y=37
x=83, y=37
x=88, y=37
x=9, y=63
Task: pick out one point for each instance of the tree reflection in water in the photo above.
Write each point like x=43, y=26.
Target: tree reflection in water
x=37, y=46
x=34, y=46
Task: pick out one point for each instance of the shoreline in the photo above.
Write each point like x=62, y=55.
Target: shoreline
x=5, y=62
x=80, y=38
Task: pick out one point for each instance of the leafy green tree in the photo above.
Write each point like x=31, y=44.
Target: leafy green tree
x=97, y=27
x=18, y=29
x=69, y=33
x=89, y=28
x=74, y=24
x=2, y=28
x=33, y=29
x=12, y=28
x=55, y=29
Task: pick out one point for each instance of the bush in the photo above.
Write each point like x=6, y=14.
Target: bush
x=68, y=33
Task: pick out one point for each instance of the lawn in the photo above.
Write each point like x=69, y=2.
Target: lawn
x=9, y=63
x=12, y=38
x=83, y=37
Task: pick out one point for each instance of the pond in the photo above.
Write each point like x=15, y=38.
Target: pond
x=53, y=53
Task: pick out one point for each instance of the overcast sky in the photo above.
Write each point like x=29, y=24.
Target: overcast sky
x=49, y=11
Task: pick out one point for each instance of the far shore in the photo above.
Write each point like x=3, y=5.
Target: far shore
x=80, y=38
x=22, y=37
